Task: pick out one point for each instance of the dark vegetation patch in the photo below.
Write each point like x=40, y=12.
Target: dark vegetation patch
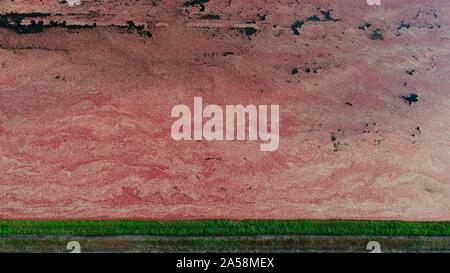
x=313, y=18
x=196, y=3
x=417, y=131
x=338, y=139
x=335, y=141
x=349, y=104
x=336, y=144
x=429, y=26
x=401, y=26
x=295, y=27
x=365, y=26
x=294, y=71
x=404, y=25
x=39, y=26
x=315, y=67
x=248, y=31
x=215, y=54
x=411, y=98
x=411, y=72
x=368, y=126
x=140, y=29
x=327, y=15
x=262, y=17
x=376, y=35
x=311, y=69
x=18, y=17
x=210, y=17
x=213, y=158
x=13, y=22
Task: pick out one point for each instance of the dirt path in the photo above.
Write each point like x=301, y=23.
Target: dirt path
x=293, y=244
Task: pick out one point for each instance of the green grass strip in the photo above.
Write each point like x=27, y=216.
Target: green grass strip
x=223, y=227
